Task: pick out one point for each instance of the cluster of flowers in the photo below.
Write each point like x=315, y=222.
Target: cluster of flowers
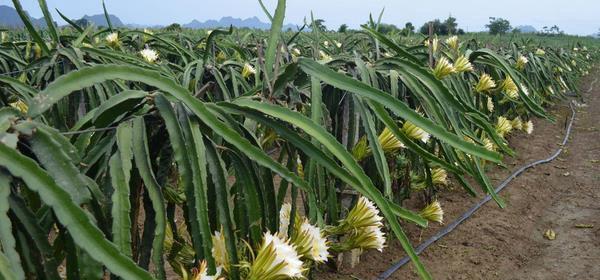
x=148, y=54
x=388, y=141
x=289, y=252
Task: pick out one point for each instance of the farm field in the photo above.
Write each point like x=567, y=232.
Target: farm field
x=176, y=153
x=509, y=243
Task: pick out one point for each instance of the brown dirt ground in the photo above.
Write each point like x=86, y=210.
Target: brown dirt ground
x=508, y=243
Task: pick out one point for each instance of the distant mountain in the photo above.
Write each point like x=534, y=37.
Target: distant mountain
x=253, y=22
x=526, y=29
x=141, y=26
x=10, y=18
x=100, y=20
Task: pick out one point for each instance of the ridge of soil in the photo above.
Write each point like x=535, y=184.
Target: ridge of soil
x=508, y=243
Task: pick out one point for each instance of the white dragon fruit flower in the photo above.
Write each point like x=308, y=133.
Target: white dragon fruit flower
x=310, y=242
x=276, y=259
x=149, y=55
x=415, y=132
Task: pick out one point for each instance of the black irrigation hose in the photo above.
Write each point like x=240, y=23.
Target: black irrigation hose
x=450, y=227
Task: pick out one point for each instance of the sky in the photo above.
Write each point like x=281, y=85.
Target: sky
x=573, y=16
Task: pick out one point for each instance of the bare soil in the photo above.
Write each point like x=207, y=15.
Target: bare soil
x=495, y=243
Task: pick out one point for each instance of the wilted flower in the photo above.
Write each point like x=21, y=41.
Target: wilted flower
x=490, y=104
x=295, y=54
x=528, y=127
x=112, y=39
x=503, y=126
x=276, y=259
x=37, y=51
x=248, y=70
x=452, y=42
x=324, y=56
x=436, y=43
x=468, y=139
x=540, y=52
x=558, y=69
x=20, y=105
x=521, y=62
x=219, y=250
x=517, y=123
x=371, y=237
x=510, y=88
x=443, y=68
x=388, y=141
x=363, y=214
x=149, y=55
x=562, y=83
x=221, y=56
x=147, y=33
x=361, y=149
x=439, y=176
x=433, y=212
x=462, y=64
x=337, y=44
x=299, y=167
x=310, y=241
x=284, y=219
x=415, y=132
x=489, y=144
x=485, y=83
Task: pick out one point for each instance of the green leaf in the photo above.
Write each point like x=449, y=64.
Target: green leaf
x=141, y=155
x=121, y=206
x=365, y=186
x=273, y=41
x=376, y=149
x=75, y=219
x=13, y=261
x=6, y=271
x=395, y=47
x=86, y=77
x=217, y=170
x=191, y=161
x=49, y=151
x=27, y=22
x=107, y=16
x=399, y=108
x=115, y=106
x=39, y=236
x=310, y=150
x=69, y=21
x=49, y=21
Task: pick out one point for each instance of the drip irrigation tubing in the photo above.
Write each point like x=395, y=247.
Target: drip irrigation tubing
x=450, y=227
